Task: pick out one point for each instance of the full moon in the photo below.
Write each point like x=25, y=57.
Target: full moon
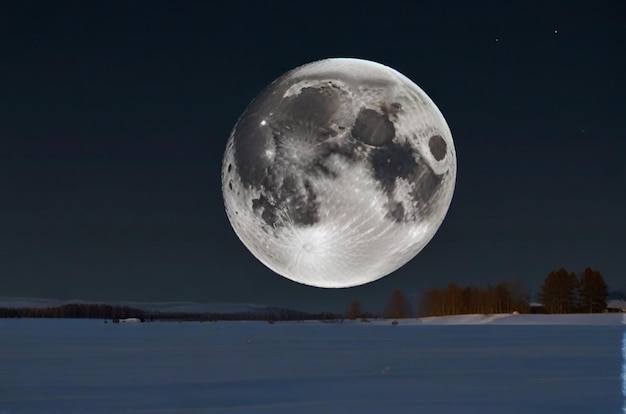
x=338, y=173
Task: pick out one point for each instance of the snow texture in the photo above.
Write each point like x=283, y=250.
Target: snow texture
x=466, y=364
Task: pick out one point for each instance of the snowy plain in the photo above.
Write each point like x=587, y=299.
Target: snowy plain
x=462, y=364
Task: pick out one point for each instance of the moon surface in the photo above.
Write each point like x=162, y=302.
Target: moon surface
x=338, y=173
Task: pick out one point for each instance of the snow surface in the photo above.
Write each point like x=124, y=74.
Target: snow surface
x=463, y=364
x=525, y=319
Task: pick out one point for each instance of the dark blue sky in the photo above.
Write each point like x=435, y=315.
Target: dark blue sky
x=114, y=117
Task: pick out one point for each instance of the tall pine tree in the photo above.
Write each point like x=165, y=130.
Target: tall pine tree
x=593, y=291
x=559, y=292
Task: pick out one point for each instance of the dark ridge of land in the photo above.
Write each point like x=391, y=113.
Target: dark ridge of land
x=104, y=311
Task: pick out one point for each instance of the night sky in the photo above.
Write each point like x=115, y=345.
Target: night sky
x=114, y=116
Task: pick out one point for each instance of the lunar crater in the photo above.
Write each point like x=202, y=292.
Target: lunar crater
x=437, y=147
x=373, y=128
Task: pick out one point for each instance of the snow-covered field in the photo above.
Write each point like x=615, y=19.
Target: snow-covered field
x=465, y=364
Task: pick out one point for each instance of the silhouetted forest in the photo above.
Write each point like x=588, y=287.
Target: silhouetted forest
x=565, y=292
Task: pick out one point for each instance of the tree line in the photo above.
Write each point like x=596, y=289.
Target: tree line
x=561, y=292
x=505, y=297
x=566, y=292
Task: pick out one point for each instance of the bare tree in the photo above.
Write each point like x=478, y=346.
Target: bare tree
x=429, y=303
x=354, y=310
x=398, y=305
x=504, y=297
x=453, y=305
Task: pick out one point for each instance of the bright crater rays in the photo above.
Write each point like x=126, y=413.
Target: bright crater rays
x=338, y=173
